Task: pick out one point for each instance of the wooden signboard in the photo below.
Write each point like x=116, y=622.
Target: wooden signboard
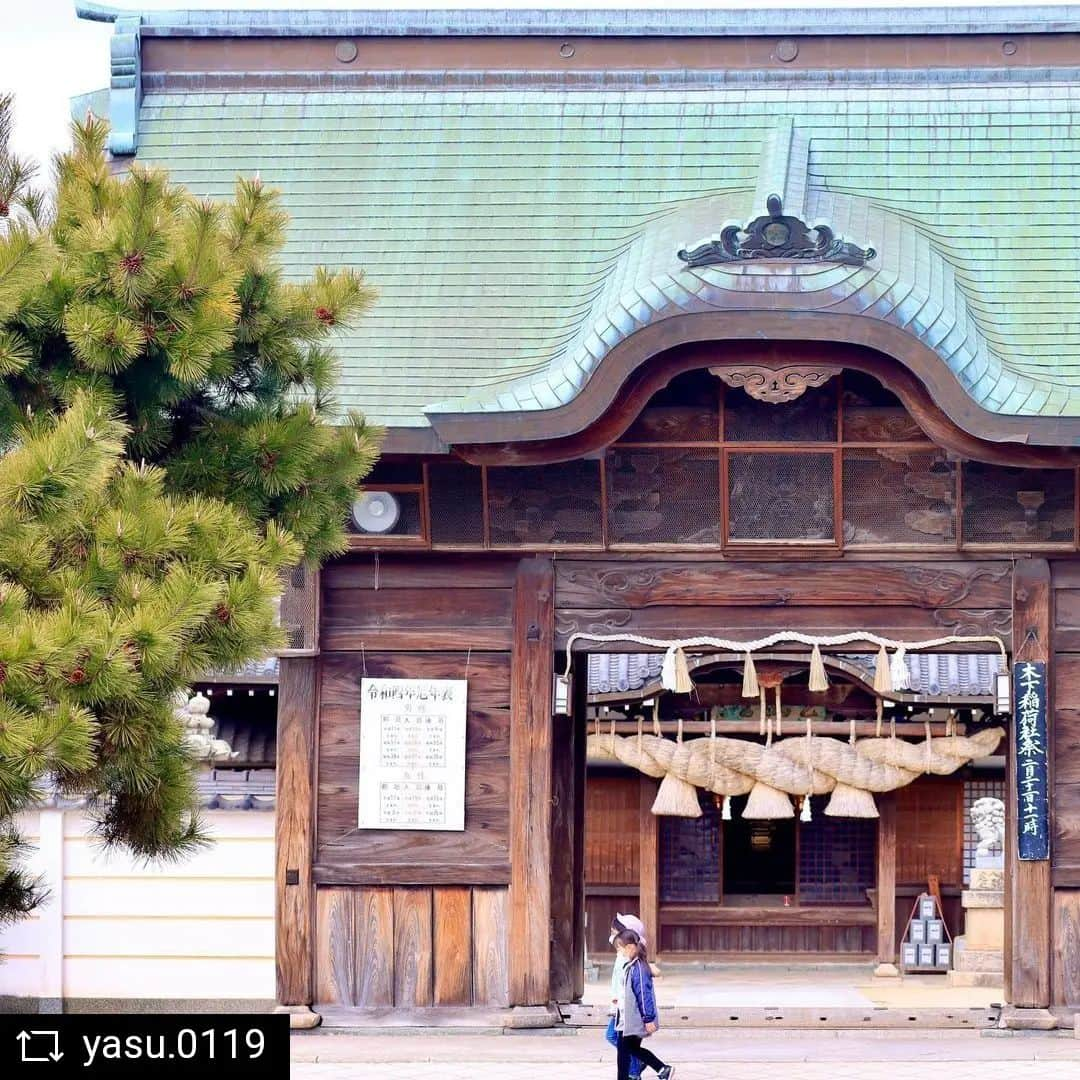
x=1032, y=810
x=412, y=754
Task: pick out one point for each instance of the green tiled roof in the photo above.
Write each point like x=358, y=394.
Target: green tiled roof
x=517, y=234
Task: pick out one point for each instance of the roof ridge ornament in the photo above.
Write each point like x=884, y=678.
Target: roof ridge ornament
x=777, y=235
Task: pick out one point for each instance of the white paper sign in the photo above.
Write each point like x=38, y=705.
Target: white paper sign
x=412, y=754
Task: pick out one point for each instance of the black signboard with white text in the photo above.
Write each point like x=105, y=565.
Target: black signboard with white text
x=1032, y=795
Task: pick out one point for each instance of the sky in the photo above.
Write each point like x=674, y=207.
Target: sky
x=47, y=55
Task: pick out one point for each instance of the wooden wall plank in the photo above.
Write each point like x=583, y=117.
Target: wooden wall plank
x=481, y=853
x=642, y=584
x=613, y=836
x=335, y=958
x=1066, y=958
x=421, y=571
x=452, y=946
x=412, y=948
x=418, y=603
x=530, y=782
x=1027, y=883
x=298, y=685
x=374, y=950
x=490, y=927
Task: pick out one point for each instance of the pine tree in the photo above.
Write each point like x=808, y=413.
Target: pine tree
x=114, y=595
x=177, y=308
x=169, y=443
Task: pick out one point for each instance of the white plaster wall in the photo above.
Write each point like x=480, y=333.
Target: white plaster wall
x=116, y=928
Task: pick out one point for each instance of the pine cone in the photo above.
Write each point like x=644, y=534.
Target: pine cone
x=132, y=262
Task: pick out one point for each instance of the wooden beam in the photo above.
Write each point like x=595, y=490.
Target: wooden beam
x=1028, y=887
x=649, y=855
x=298, y=694
x=531, y=782
x=886, y=884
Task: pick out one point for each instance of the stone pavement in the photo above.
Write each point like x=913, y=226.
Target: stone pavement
x=697, y=1055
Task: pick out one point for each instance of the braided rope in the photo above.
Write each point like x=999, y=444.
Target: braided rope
x=732, y=766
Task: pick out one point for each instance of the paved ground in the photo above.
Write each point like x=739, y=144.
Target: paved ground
x=727, y=1055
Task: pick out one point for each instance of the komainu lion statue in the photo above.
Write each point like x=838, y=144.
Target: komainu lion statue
x=988, y=818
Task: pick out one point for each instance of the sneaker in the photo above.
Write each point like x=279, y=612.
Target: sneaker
x=667, y=1072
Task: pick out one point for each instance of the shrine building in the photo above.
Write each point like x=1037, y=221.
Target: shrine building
x=722, y=556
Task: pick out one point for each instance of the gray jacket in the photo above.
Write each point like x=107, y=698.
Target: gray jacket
x=638, y=1000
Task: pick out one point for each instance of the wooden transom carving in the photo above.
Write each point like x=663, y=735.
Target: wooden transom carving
x=775, y=385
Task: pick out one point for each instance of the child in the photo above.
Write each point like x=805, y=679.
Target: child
x=637, y=1017
x=618, y=978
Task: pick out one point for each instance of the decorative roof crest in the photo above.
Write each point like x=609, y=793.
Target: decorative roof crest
x=777, y=235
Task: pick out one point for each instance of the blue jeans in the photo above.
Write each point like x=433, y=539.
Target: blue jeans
x=612, y=1037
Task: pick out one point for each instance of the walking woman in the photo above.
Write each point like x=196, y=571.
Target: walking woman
x=637, y=1016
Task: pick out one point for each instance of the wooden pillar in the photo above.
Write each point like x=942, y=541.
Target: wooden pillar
x=579, y=690
x=298, y=685
x=886, y=885
x=649, y=896
x=1027, y=884
x=530, y=782
x=562, y=859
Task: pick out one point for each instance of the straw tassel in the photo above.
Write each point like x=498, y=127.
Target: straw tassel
x=898, y=670
x=805, y=814
x=749, y=677
x=683, y=683
x=819, y=681
x=725, y=814
x=880, y=717
x=851, y=731
x=779, y=714
x=929, y=747
x=761, y=710
x=882, y=674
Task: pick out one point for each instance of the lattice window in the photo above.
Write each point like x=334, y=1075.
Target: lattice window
x=663, y=496
x=973, y=791
x=780, y=496
x=809, y=418
x=456, y=493
x=690, y=855
x=899, y=496
x=1006, y=505
x=837, y=857
x=545, y=504
x=298, y=610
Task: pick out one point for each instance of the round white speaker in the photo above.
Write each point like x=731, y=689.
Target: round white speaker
x=376, y=512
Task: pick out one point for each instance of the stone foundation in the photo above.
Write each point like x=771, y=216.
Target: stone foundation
x=979, y=954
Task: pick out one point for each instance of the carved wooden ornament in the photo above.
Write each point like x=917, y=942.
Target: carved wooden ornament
x=775, y=385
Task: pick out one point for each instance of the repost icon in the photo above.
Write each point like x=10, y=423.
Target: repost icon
x=40, y=1046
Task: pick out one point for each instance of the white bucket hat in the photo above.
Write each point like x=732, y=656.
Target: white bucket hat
x=627, y=922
